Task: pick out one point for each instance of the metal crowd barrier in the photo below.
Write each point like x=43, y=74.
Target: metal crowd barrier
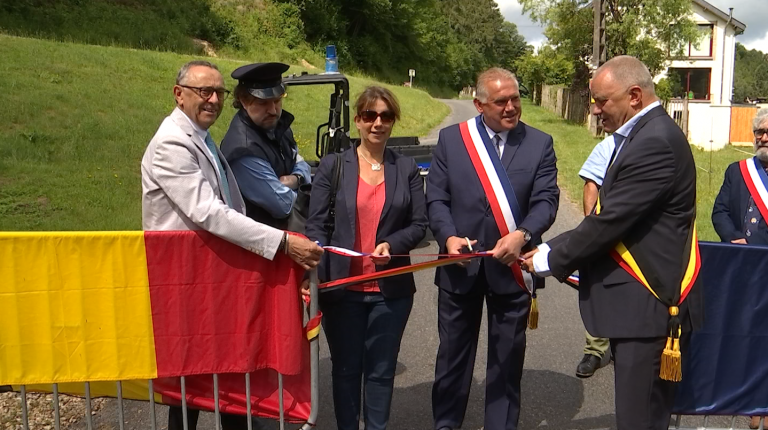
x=314, y=376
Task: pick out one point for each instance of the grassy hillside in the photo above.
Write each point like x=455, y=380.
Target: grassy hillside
x=77, y=119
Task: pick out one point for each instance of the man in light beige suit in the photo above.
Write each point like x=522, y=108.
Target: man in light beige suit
x=188, y=185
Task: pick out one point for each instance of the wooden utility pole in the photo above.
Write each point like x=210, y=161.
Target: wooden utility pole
x=598, y=54
x=598, y=36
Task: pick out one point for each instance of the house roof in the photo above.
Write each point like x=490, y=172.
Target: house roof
x=740, y=26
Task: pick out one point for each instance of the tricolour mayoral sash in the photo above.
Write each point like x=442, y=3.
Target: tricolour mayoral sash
x=757, y=183
x=501, y=196
x=671, y=364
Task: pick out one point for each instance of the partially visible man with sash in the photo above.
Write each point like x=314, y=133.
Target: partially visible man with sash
x=741, y=208
x=637, y=253
x=740, y=213
x=492, y=186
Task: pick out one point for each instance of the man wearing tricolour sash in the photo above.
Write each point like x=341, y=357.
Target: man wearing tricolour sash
x=637, y=254
x=740, y=213
x=492, y=186
x=741, y=208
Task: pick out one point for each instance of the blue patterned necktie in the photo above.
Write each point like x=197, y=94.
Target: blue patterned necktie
x=222, y=174
x=497, y=145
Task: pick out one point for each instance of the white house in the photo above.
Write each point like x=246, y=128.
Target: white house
x=705, y=76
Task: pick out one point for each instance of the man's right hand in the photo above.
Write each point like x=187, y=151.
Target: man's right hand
x=740, y=241
x=303, y=251
x=455, y=244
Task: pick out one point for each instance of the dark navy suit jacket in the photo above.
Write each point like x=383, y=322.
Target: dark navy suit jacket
x=458, y=205
x=403, y=222
x=731, y=208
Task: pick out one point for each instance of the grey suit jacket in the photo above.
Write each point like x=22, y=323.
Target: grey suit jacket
x=181, y=190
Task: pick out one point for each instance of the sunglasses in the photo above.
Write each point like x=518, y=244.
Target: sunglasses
x=387, y=117
x=760, y=132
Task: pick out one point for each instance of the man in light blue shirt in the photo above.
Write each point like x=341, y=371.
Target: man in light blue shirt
x=592, y=172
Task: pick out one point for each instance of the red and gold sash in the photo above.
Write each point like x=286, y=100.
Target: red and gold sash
x=671, y=368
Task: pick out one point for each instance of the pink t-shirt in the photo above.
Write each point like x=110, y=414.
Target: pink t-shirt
x=370, y=203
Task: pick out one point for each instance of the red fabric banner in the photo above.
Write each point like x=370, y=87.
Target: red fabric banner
x=218, y=308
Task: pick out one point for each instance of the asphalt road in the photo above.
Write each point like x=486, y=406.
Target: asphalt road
x=461, y=110
x=552, y=396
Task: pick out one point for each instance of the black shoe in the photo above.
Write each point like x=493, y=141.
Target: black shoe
x=589, y=364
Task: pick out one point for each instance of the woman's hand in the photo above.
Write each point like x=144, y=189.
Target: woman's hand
x=380, y=255
x=304, y=287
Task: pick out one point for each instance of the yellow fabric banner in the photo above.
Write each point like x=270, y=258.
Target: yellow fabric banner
x=76, y=307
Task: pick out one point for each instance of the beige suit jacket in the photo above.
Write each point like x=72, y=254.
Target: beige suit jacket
x=181, y=190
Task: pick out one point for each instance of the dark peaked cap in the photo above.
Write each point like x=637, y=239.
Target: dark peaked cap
x=263, y=80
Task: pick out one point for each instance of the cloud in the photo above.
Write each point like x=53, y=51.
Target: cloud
x=759, y=44
x=513, y=12
x=754, y=14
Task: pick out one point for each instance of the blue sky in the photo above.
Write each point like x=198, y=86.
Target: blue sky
x=753, y=13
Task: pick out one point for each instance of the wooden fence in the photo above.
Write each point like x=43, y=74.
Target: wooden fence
x=678, y=110
x=572, y=105
x=741, y=124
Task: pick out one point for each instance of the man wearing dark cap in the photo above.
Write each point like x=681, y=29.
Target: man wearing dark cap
x=260, y=147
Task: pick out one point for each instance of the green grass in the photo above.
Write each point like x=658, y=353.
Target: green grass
x=77, y=119
x=573, y=144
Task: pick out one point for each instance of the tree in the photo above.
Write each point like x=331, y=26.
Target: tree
x=546, y=67
x=751, y=75
x=448, y=41
x=652, y=30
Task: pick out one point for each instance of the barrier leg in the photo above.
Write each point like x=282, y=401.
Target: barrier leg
x=24, y=411
x=281, y=399
x=733, y=422
x=56, y=412
x=678, y=417
x=88, y=410
x=706, y=420
x=216, y=413
x=184, y=421
x=761, y=426
x=314, y=355
x=248, y=400
x=120, y=417
x=152, y=416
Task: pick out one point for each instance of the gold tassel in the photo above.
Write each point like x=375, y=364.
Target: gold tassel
x=671, y=362
x=533, y=315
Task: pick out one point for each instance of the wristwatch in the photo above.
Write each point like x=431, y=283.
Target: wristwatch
x=526, y=234
x=300, y=178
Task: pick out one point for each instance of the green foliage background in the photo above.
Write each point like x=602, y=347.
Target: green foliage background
x=751, y=75
x=448, y=42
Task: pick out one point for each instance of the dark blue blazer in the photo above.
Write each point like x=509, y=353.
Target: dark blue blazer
x=403, y=222
x=458, y=205
x=731, y=208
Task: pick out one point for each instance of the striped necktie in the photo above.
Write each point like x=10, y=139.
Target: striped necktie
x=222, y=174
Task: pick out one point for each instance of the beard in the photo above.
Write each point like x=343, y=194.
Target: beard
x=761, y=152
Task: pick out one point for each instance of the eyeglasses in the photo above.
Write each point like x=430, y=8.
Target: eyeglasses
x=207, y=92
x=387, y=117
x=760, y=132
